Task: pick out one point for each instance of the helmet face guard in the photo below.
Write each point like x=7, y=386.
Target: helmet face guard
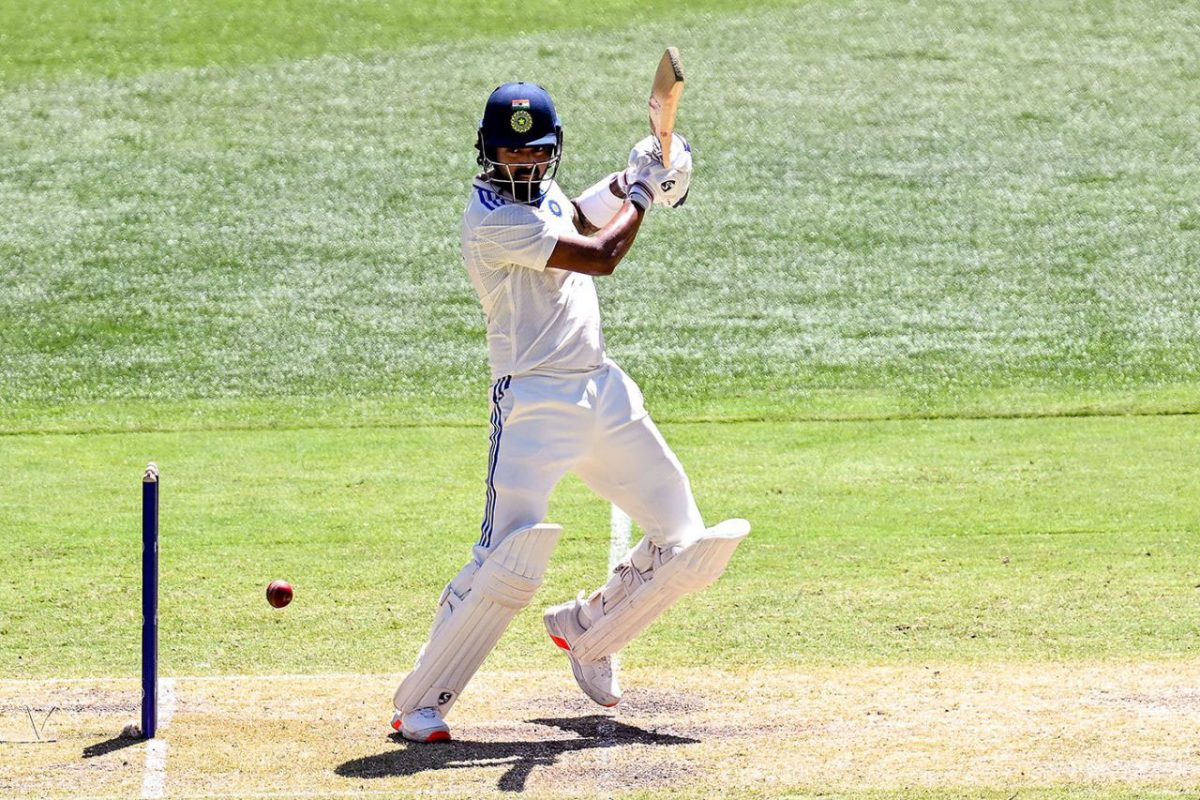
x=519, y=115
x=529, y=190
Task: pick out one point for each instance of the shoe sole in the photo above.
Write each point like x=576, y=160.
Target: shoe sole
x=556, y=636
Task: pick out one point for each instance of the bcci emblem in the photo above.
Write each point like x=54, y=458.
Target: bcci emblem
x=521, y=121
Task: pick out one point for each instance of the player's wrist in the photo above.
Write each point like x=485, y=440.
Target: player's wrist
x=641, y=195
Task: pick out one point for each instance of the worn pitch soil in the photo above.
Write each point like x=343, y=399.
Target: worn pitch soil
x=970, y=727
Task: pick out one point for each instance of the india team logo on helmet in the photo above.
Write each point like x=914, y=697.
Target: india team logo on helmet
x=521, y=121
x=519, y=115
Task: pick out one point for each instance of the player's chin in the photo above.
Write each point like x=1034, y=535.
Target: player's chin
x=526, y=192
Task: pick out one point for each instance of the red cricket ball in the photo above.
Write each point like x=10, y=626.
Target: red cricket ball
x=279, y=593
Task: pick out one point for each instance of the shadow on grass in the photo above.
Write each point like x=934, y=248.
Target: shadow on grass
x=110, y=745
x=594, y=732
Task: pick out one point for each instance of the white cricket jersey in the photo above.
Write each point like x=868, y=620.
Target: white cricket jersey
x=539, y=319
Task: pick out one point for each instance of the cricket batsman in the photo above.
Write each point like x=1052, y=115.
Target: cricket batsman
x=559, y=404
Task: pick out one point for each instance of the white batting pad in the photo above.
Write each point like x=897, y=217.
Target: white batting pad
x=472, y=618
x=637, y=595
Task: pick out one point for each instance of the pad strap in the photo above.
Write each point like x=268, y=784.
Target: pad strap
x=636, y=596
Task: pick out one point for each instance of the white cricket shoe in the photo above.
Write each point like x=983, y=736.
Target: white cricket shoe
x=422, y=725
x=596, y=678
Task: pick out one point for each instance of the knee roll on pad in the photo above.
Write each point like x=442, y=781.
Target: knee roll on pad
x=474, y=610
x=635, y=597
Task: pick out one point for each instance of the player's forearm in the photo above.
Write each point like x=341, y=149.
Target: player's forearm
x=599, y=254
x=618, y=235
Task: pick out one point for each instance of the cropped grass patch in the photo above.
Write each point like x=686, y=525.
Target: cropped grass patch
x=899, y=541
x=926, y=732
x=995, y=212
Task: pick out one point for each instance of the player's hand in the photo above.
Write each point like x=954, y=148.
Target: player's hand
x=671, y=183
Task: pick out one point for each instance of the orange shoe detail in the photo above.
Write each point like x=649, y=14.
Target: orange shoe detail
x=560, y=642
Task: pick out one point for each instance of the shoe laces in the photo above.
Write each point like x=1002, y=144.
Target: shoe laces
x=428, y=712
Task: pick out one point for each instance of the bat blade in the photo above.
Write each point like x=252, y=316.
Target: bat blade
x=664, y=99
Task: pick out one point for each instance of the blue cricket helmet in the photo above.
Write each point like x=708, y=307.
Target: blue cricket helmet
x=519, y=115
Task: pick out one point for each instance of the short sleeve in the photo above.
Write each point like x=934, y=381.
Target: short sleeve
x=515, y=234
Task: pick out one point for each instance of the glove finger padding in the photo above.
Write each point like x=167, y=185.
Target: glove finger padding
x=670, y=183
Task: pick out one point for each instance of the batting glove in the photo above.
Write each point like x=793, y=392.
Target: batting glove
x=670, y=183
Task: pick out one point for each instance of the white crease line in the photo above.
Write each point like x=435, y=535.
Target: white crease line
x=621, y=530
x=155, y=777
x=385, y=677
x=621, y=533
x=293, y=795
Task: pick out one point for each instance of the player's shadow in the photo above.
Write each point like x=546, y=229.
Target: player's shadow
x=594, y=732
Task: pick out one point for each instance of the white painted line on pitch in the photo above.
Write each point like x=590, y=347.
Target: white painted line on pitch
x=621, y=529
x=155, y=777
x=294, y=795
x=281, y=676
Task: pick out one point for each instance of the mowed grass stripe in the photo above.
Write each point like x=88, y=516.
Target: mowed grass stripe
x=67, y=40
x=878, y=208
x=1054, y=539
x=263, y=417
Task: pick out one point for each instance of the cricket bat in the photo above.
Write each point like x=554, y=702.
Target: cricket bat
x=664, y=100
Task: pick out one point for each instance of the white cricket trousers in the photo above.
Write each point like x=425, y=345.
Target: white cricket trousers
x=594, y=424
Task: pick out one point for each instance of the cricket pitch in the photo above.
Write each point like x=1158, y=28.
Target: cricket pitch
x=981, y=727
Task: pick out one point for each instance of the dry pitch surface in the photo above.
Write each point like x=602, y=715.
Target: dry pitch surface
x=978, y=727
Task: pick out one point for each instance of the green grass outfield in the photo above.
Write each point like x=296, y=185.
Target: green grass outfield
x=1056, y=539
x=930, y=319
x=925, y=209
